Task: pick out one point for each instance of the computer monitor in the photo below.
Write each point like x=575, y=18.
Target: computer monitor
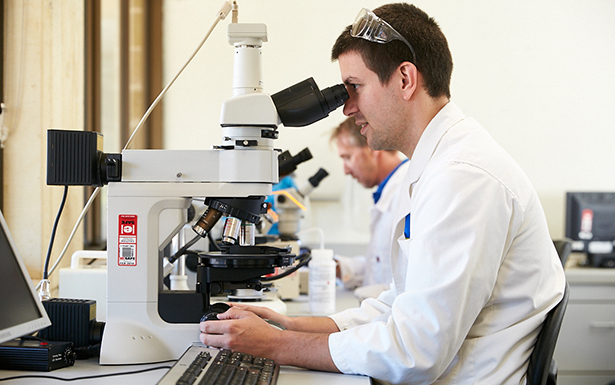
x=21, y=311
x=590, y=224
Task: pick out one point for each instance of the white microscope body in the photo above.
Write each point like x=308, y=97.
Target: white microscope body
x=145, y=322
x=148, y=207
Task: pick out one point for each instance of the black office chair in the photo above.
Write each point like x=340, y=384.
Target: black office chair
x=542, y=369
x=564, y=248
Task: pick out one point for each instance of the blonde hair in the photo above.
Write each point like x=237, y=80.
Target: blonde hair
x=353, y=130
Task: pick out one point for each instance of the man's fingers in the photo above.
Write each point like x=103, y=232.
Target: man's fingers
x=213, y=340
x=254, y=309
x=235, y=313
x=262, y=312
x=213, y=327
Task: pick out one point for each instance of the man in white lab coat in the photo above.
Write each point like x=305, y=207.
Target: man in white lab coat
x=370, y=275
x=474, y=269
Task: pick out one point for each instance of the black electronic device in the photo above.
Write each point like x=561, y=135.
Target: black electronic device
x=590, y=224
x=74, y=320
x=76, y=158
x=36, y=355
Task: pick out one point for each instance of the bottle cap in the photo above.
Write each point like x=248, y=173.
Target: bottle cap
x=322, y=254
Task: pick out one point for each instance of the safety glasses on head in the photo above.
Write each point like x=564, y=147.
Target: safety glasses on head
x=370, y=27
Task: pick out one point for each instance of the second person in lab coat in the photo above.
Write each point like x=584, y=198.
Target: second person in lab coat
x=369, y=275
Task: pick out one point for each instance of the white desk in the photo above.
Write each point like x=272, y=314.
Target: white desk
x=344, y=299
x=586, y=343
x=288, y=375
x=89, y=368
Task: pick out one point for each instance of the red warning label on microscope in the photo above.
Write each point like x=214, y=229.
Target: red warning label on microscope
x=127, y=240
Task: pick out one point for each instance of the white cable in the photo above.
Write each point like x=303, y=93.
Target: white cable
x=222, y=14
x=319, y=231
x=224, y=11
x=235, y=17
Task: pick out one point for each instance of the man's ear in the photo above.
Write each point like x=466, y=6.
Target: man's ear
x=410, y=78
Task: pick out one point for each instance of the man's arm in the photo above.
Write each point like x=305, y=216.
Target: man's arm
x=351, y=270
x=298, y=324
x=245, y=331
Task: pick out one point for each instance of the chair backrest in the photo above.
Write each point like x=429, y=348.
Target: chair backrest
x=564, y=248
x=542, y=356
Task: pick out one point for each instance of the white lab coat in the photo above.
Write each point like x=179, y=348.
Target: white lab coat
x=373, y=271
x=474, y=281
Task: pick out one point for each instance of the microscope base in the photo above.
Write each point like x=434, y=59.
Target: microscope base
x=135, y=334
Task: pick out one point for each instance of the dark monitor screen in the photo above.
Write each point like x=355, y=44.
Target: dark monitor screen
x=21, y=312
x=590, y=221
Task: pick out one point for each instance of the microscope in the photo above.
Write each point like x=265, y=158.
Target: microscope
x=148, y=205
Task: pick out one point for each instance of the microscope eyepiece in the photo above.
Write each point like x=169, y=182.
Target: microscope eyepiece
x=288, y=163
x=303, y=104
x=335, y=96
x=318, y=177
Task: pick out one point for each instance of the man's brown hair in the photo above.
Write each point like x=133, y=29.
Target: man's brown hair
x=433, y=57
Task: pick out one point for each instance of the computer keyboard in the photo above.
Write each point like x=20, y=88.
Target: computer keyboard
x=202, y=365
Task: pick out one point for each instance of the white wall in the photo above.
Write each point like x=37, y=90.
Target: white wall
x=538, y=74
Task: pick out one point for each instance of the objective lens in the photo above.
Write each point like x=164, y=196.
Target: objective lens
x=247, y=236
x=232, y=227
x=207, y=221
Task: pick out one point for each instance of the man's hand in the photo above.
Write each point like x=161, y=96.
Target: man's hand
x=244, y=330
x=240, y=330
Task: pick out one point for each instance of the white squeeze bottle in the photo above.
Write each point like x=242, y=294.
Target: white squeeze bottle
x=322, y=282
